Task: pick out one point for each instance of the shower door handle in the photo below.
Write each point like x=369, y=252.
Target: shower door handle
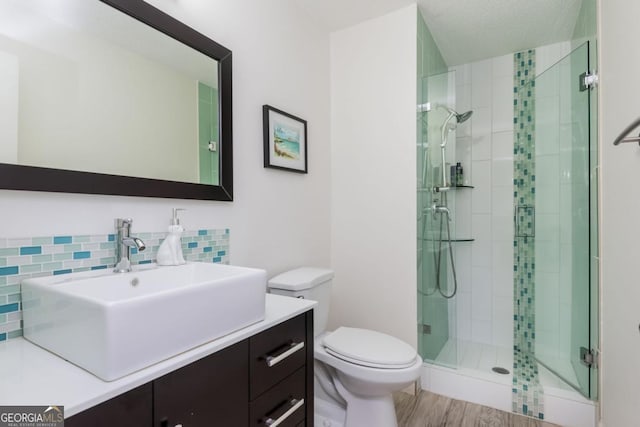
x=530, y=211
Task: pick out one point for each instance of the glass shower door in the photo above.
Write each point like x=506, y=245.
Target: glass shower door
x=562, y=220
x=437, y=316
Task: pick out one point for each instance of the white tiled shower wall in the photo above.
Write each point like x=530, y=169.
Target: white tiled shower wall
x=484, y=146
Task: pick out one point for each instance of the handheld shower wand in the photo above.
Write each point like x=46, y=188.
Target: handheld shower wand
x=444, y=133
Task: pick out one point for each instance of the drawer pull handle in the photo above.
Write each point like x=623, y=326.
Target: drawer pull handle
x=274, y=360
x=295, y=405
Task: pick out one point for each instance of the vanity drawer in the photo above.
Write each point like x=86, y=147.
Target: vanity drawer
x=284, y=404
x=276, y=353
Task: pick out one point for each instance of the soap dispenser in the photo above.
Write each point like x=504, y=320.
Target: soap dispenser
x=170, y=251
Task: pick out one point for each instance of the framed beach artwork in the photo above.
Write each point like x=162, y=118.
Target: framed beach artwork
x=285, y=140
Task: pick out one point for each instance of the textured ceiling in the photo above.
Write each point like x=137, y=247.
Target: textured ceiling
x=465, y=30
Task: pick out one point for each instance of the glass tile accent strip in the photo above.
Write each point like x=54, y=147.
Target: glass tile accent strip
x=527, y=391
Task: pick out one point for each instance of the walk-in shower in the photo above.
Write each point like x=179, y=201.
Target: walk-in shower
x=504, y=268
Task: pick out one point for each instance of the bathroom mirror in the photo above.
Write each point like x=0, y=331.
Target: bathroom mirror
x=112, y=97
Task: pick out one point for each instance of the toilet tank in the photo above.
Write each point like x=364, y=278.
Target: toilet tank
x=308, y=283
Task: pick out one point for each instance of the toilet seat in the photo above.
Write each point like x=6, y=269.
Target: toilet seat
x=369, y=348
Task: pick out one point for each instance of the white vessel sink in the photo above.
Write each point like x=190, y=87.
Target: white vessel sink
x=114, y=324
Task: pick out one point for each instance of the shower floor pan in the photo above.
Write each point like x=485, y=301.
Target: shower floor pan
x=473, y=380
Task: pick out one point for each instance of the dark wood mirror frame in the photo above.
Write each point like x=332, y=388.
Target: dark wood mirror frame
x=16, y=177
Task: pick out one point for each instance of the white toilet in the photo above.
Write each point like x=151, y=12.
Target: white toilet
x=356, y=370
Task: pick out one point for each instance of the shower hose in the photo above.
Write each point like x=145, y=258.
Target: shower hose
x=437, y=254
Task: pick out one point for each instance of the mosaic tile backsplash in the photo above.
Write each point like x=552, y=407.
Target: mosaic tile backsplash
x=21, y=258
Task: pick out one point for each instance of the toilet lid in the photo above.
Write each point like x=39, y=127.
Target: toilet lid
x=369, y=348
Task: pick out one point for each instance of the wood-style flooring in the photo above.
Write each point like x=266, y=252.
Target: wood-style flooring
x=433, y=410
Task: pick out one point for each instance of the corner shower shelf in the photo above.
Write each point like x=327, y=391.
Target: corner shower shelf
x=447, y=240
x=443, y=189
x=433, y=189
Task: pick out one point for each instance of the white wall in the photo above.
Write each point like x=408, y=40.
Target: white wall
x=278, y=220
x=620, y=208
x=373, y=104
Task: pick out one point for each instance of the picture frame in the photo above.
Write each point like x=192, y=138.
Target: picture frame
x=285, y=140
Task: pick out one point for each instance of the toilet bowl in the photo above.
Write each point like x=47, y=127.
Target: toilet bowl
x=356, y=370
x=367, y=385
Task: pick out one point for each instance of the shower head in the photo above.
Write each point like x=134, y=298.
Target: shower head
x=461, y=118
x=448, y=125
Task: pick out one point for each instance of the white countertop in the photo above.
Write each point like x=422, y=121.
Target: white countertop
x=34, y=376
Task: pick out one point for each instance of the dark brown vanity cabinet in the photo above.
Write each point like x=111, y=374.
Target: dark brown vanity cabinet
x=211, y=391
x=130, y=409
x=264, y=380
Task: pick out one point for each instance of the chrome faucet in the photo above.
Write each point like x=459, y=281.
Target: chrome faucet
x=124, y=243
